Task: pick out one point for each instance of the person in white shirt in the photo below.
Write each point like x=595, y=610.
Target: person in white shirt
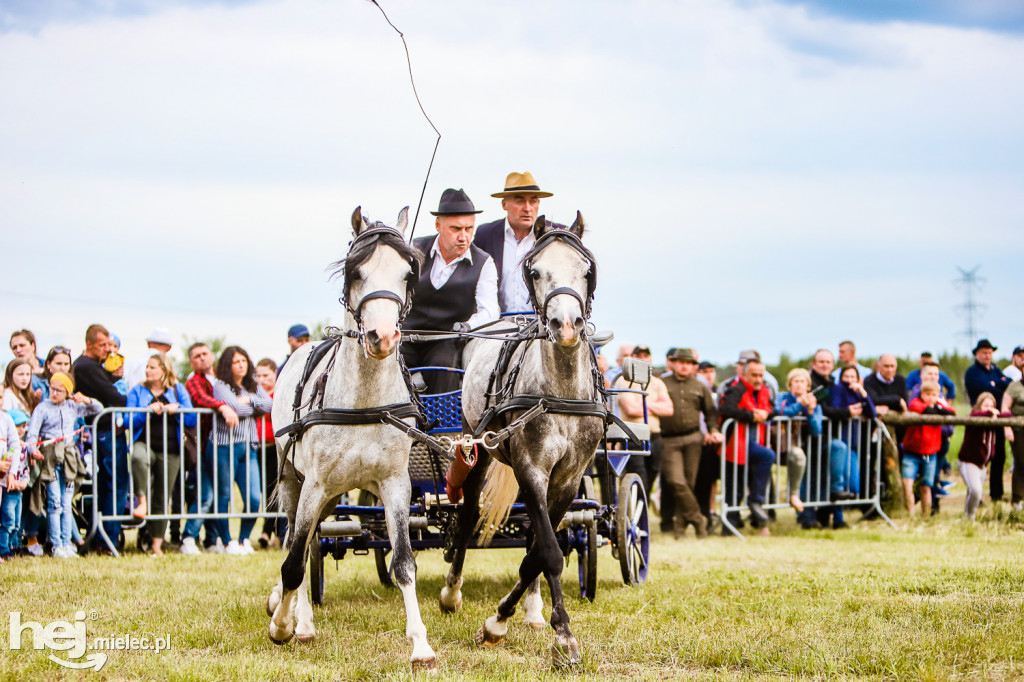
x=457, y=290
x=509, y=240
x=158, y=340
x=1015, y=370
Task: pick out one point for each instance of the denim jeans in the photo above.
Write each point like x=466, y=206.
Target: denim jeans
x=845, y=467
x=204, y=500
x=112, y=457
x=228, y=456
x=246, y=461
x=58, y=508
x=10, y=522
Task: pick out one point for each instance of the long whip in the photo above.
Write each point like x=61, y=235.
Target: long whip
x=408, y=61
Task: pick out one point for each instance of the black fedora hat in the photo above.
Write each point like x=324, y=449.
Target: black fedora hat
x=455, y=202
x=984, y=343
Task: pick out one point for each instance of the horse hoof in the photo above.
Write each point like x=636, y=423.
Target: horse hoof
x=305, y=639
x=484, y=638
x=280, y=637
x=535, y=625
x=565, y=653
x=449, y=605
x=272, y=601
x=425, y=665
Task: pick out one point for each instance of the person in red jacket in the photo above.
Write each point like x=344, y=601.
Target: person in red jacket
x=749, y=403
x=920, y=445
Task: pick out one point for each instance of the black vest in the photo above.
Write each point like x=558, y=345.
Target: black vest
x=455, y=301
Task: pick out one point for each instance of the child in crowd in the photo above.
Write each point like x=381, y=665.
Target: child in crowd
x=920, y=445
x=53, y=422
x=115, y=364
x=976, y=450
x=13, y=478
x=273, y=529
x=18, y=393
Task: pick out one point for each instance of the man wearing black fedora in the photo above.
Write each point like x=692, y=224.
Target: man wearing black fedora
x=509, y=239
x=457, y=289
x=981, y=377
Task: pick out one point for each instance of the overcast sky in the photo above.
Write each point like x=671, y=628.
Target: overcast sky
x=776, y=175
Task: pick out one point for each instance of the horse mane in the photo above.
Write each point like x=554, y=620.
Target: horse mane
x=360, y=251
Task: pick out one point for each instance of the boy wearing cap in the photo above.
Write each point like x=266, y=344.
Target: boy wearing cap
x=54, y=420
x=298, y=336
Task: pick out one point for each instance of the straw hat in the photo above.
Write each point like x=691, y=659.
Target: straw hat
x=521, y=183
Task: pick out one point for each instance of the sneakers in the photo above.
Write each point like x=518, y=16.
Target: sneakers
x=216, y=548
x=64, y=552
x=35, y=549
x=234, y=549
x=188, y=546
x=247, y=547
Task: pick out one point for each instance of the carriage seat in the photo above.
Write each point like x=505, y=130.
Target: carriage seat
x=601, y=338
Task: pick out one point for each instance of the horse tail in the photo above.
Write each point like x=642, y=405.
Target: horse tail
x=496, y=499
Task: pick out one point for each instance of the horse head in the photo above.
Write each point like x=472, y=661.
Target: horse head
x=380, y=272
x=561, y=275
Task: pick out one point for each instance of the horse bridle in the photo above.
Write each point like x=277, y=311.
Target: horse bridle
x=376, y=233
x=570, y=239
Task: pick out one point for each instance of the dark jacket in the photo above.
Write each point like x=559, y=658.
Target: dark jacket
x=889, y=394
x=821, y=387
x=979, y=442
x=92, y=380
x=490, y=238
x=978, y=380
x=841, y=399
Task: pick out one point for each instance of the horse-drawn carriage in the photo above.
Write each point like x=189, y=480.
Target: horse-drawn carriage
x=618, y=517
x=535, y=402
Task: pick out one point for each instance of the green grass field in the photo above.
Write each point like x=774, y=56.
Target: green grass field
x=937, y=599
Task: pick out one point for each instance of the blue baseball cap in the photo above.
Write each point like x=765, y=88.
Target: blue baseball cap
x=298, y=330
x=18, y=416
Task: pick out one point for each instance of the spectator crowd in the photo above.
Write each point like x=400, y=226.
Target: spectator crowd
x=47, y=449
x=827, y=411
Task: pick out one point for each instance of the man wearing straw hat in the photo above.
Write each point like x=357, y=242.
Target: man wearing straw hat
x=509, y=240
x=457, y=289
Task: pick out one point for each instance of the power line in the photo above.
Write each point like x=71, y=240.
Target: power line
x=972, y=284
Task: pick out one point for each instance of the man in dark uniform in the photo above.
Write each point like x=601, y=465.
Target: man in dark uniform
x=682, y=440
x=509, y=239
x=457, y=289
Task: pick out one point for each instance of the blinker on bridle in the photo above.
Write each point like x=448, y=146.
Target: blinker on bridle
x=404, y=304
x=570, y=239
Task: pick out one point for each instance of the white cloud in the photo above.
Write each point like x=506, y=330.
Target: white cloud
x=733, y=162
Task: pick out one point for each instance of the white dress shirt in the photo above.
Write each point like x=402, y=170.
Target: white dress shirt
x=487, y=309
x=514, y=295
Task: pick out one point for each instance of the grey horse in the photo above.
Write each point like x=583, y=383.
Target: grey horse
x=330, y=460
x=547, y=460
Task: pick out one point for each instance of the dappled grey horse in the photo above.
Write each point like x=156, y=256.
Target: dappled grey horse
x=548, y=458
x=328, y=459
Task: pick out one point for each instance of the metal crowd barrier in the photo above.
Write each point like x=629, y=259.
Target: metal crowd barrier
x=122, y=429
x=784, y=433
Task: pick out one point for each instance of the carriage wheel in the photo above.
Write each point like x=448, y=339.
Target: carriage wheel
x=380, y=556
x=586, y=555
x=631, y=530
x=316, y=571
x=586, y=548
